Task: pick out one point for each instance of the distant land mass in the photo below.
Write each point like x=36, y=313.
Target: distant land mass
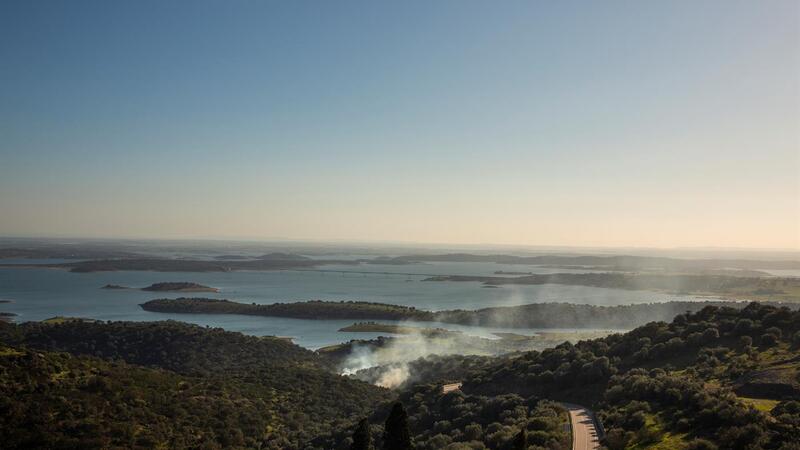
x=740, y=288
x=280, y=256
x=104, y=259
x=724, y=278
x=187, y=265
x=275, y=256
x=537, y=315
x=231, y=257
x=613, y=262
x=63, y=252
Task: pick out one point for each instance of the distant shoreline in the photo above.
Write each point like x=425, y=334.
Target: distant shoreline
x=709, y=280
x=786, y=289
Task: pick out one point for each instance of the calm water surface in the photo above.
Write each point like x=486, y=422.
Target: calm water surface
x=38, y=294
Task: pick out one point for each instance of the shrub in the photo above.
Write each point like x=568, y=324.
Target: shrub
x=746, y=341
x=768, y=340
x=473, y=432
x=774, y=330
x=617, y=439
x=711, y=334
x=700, y=444
x=743, y=326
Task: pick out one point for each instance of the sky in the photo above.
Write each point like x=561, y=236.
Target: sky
x=655, y=124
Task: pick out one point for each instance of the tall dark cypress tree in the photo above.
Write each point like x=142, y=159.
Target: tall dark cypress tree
x=362, y=439
x=520, y=440
x=396, y=435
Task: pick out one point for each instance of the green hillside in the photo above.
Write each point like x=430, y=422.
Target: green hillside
x=296, y=394
x=719, y=378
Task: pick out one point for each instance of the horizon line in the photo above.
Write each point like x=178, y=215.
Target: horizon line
x=392, y=243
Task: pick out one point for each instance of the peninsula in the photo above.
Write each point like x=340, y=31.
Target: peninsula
x=537, y=315
x=314, y=309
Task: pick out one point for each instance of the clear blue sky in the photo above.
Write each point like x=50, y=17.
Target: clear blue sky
x=583, y=123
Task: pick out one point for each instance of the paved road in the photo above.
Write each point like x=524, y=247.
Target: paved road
x=451, y=387
x=584, y=433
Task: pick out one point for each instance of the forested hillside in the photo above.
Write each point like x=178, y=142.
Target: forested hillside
x=456, y=421
x=56, y=400
x=721, y=378
x=287, y=393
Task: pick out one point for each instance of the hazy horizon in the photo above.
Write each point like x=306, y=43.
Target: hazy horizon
x=400, y=247
x=605, y=125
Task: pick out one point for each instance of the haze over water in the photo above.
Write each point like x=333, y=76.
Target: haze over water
x=39, y=294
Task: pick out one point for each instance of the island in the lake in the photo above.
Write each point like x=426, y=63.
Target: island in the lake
x=314, y=309
x=720, y=278
x=375, y=327
x=169, y=286
x=179, y=286
x=537, y=315
x=63, y=319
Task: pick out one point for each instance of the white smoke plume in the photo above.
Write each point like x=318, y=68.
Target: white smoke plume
x=393, y=377
x=394, y=357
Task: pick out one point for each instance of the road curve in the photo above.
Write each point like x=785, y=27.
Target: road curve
x=584, y=432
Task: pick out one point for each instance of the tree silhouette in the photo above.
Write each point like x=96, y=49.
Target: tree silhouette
x=520, y=441
x=396, y=435
x=362, y=440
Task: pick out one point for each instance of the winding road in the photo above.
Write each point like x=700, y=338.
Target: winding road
x=584, y=431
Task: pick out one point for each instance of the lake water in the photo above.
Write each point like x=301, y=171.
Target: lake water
x=38, y=294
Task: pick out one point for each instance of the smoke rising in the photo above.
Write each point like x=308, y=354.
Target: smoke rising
x=391, y=359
